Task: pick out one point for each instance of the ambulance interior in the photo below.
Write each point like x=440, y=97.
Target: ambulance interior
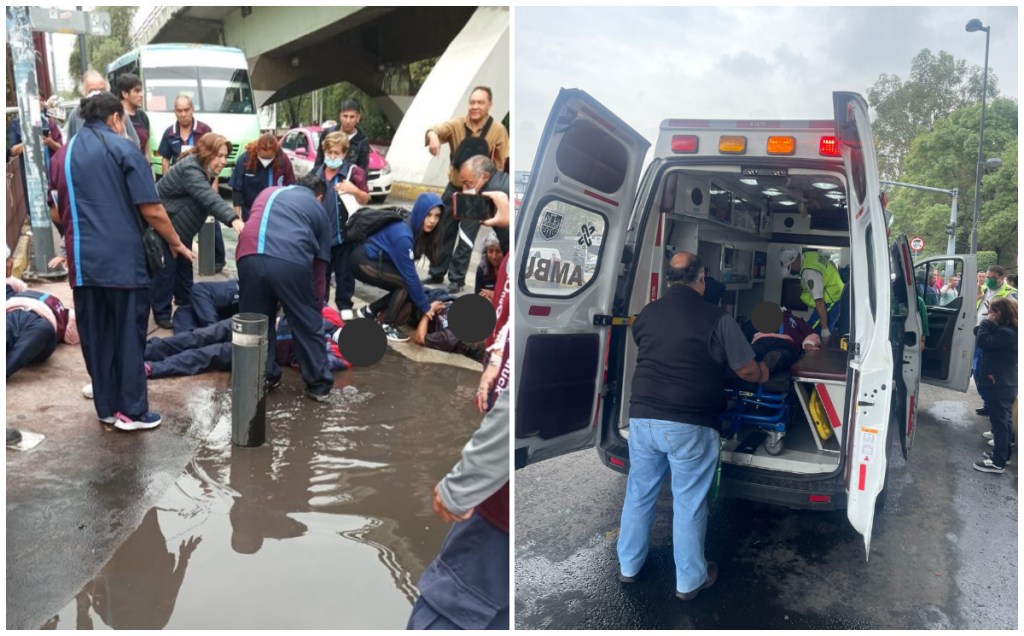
x=738, y=224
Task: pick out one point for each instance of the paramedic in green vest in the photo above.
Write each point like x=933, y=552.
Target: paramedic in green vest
x=822, y=287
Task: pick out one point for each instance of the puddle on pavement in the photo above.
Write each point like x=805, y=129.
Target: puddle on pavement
x=328, y=525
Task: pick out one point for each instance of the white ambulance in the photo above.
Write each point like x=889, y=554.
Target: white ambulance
x=736, y=193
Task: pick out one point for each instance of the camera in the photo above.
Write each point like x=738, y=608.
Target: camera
x=473, y=207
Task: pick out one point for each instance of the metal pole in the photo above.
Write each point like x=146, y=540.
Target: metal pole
x=26, y=87
x=83, y=56
x=981, y=141
x=207, y=255
x=248, y=379
x=951, y=230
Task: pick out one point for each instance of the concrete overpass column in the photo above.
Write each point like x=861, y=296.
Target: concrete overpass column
x=479, y=55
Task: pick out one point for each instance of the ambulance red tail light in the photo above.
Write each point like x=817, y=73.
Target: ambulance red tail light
x=781, y=145
x=819, y=499
x=684, y=144
x=829, y=147
x=615, y=461
x=732, y=144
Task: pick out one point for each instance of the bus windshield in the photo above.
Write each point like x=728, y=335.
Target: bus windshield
x=212, y=89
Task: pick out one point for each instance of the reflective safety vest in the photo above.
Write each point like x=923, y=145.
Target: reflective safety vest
x=829, y=275
x=1002, y=292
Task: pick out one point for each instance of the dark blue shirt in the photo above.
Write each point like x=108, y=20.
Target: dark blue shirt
x=246, y=186
x=171, y=142
x=332, y=202
x=102, y=185
x=287, y=223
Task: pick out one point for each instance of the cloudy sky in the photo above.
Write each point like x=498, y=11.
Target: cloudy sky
x=648, y=64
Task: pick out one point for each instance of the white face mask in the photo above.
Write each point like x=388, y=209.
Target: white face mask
x=266, y=162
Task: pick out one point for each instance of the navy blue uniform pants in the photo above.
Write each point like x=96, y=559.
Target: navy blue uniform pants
x=263, y=283
x=344, y=278
x=112, y=326
x=191, y=352
x=174, y=280
x=382, y=273
x=999, y=404
x=466, y=585
x=219, y=257
x=30, y=339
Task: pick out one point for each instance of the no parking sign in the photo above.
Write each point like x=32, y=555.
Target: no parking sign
x=917, y=244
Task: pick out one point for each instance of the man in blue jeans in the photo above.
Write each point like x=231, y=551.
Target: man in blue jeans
x=684, y=345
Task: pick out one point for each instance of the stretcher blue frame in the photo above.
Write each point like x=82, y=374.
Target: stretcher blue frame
x=759, y=409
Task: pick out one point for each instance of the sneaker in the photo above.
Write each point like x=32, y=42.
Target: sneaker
x=987, y=435
x=144, y=422
x=992, y=443
x=988, y=455
x=393, y=334
x=148, y=367
x=319, y=397
x=986, y=466
x=108, y=420
x=87, y=391
x=365, y=312
x=708, y=582
x=13, y=436
x=347, y=314
x=455, y=288
x=629, y=580
x=981, y=411
x=270, y=384
x=164, y=323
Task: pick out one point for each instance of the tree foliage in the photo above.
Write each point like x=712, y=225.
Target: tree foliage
x=102, y=50
x=938, y=85
x=298, y=111
x=947, y=157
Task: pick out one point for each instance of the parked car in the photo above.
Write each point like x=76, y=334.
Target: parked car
x=301, y=144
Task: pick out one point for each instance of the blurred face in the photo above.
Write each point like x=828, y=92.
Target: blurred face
x=494, y=256
x=220, y=160
x=431, y=220
x=479, y=106
x=135, y=97
x=932, y=277
x=348, y=120
x=471, y=181
x=183, y=112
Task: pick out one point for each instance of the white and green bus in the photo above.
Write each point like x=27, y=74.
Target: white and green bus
x=215, y=77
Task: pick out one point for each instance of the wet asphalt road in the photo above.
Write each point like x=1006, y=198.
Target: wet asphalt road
x=944, y=551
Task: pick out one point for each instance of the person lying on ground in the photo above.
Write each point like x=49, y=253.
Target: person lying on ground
x=434, y=333
x=211, y=302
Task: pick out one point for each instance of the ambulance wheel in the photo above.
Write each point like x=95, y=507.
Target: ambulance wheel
x=773, y=447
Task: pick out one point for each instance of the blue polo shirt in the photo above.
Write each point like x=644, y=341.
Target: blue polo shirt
x=171, y=142
x=99, y=188
x=250, y=184
x=332, y=202
x=287, y=223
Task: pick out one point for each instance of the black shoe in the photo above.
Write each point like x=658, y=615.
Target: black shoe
x=433, y=280
x=981, y=411
x=219, y=267
x=319, y=397
x=627, y=579
x=13, y=436
x=986, y=466
x=708, y=582
x=270, y=384
x=455, y=288
x=164, y=323
x=988, y=455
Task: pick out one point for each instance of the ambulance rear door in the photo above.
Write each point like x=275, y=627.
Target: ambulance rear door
x=906, y=340
x=871, y=377
x=569, y=242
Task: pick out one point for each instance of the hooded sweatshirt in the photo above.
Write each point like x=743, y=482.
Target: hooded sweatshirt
x=396, y=241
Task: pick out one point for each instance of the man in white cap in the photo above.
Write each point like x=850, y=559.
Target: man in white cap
x=821, y=284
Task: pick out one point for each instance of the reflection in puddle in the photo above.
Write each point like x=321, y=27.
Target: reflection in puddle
x=327, y=525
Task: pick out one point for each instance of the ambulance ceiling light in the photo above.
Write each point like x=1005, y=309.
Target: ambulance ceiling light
x=749, y=181
x=771, y=192
x=786, y=202
x=824, y=185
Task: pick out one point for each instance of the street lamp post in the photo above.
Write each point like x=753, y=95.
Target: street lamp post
x=973, y=26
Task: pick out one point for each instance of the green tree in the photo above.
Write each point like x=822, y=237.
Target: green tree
x=946, y=157
x=102, y=50
x=938, y=85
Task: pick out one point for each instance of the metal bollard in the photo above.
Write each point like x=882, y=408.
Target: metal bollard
x=207, y=251
x=248, y=379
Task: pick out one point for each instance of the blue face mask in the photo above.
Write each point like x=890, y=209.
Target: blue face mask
x=333, y=164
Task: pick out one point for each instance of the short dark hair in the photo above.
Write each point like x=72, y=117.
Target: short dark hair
x=125, y=82
x=486, y=89
x=685, y=275
x=349, y=104
x=100, y=106
x=997, y=270
x=314, y=183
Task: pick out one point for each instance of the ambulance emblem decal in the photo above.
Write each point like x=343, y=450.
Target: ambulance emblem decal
x=550, y=224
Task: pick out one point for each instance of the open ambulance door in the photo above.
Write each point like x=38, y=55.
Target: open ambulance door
x=952, y=315
x=869, y=400
x=569, y=240
x=906, y=331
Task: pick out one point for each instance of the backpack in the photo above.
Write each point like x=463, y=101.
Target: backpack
x=368, y=221
x=472, y=146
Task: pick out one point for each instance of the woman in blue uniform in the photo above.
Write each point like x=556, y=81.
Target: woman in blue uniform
x=104, y=183
x=263, y=164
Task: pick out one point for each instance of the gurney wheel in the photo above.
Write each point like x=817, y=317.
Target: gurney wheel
x=773, y=446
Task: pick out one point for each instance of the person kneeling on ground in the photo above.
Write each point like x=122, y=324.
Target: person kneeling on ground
x=387, y=259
